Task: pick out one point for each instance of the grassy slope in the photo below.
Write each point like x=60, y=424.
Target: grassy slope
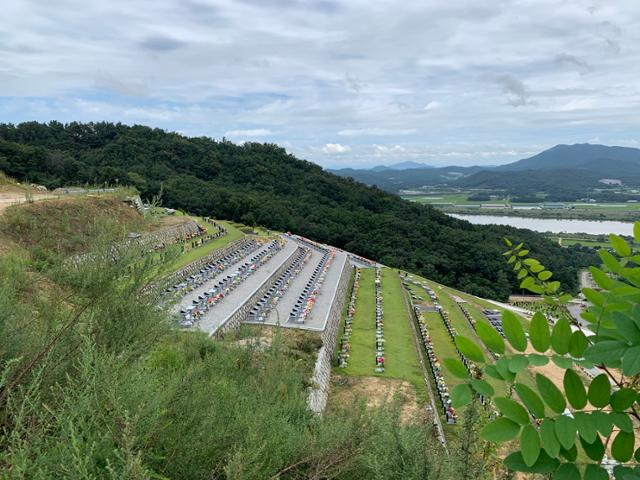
x=193, y=254
x=401, y=358
x=400, y=354
x=362, y=357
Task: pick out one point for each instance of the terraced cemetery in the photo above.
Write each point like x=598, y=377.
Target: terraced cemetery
x=383, y=332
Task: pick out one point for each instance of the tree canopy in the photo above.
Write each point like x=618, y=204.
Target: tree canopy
x=263, y=184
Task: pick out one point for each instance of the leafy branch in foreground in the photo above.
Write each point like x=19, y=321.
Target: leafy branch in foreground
x=568, y=430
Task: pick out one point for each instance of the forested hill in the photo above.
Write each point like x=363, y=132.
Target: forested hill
x=262, y=184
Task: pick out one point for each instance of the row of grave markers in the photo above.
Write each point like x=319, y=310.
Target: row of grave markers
x=345, y=340
x=212, y=297
x=450, y=415
x=379, y=323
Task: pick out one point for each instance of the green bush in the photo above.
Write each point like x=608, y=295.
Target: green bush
x=566, y=431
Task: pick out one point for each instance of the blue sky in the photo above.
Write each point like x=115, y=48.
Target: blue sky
x=341, y=83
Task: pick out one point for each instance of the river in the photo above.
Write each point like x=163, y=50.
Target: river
x=554, y=225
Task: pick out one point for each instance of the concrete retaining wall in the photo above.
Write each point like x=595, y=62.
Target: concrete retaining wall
x=242, y=312
x=322, y=372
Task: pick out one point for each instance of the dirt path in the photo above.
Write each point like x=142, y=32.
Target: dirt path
x=14, y=195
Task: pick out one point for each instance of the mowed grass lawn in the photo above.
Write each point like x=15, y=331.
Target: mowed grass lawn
x=401, y=358
x=193, y=254
x=363, y=333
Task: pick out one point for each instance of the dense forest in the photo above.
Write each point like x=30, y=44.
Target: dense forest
x=263, y=184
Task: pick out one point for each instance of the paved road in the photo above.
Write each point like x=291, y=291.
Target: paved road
x=317, y=319
x=187, y=300
x=219, y=313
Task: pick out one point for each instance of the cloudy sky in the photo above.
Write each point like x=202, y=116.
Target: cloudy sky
x=341, y=83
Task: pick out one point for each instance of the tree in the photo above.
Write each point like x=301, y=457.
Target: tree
x=568, y=430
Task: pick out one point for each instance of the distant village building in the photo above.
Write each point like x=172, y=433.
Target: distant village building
x=495, y=206
x=610, y=181
x=554, y=205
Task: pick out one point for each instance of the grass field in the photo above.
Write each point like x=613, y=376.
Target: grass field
x=362, y=354
x=401, y=358
x=193, y=254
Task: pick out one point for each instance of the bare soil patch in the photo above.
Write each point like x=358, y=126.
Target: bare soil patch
x=375, y=392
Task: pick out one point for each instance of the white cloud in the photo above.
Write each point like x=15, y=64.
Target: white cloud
x=376, y=132
x=312, y=68
x=336, y=148
x=432, y=105
x=381, y=150
x=256, y=132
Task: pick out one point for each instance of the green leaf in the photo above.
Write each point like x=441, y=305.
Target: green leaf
x=544, y=275
x=530, y=445
x=469, y=349
x=574, y=389
x=626, y=327
x=518, y=362
x=539, y=332
x=537, y=268
x=507, y=242
x=594, y=449
x=543, y=465
x=493, y=372
x=562, y=362
x=631, y=361
x=587, y=426
x=622, y=446
x=561, y=336
x=636, y=455
x=609, y=260
x=619, y=244
x=460, y=395
x=566, y=431
x=550, y=393
x=595, y=472
x=600, y=391
x=521, y=274
x=482, y=387
x=502, y=365
x=530, y=399
x=456, y=367
x=548, y=436
x=570, y=454
x=512, y=410
x=500, y=430
x=623, y=399
x=567, y=471
x=604, y=423
x=512, y=329
x=538, y=360
x=594, y=296
x=602, y=279
x=522, y=253
x=606, y=352
x=578, y=344
x=622, y=421
x=490, y=337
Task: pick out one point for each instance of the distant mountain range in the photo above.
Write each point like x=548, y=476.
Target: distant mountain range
x=567, y=167
x=400, y=166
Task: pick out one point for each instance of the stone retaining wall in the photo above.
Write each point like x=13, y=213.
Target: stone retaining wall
x=322, y=372
x=242, y=312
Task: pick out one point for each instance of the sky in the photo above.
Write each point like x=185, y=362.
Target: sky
x=349, y=83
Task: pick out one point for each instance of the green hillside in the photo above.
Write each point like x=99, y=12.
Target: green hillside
x=262, y=184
